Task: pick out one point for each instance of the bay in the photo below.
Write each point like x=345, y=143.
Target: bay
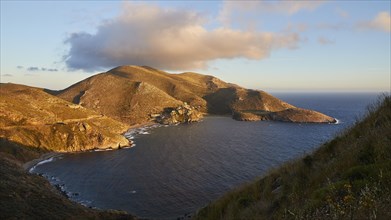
x=176, y=170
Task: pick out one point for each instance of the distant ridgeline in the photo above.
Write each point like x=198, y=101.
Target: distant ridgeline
x=347, y=178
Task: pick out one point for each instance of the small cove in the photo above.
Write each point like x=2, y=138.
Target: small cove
x=176, y=170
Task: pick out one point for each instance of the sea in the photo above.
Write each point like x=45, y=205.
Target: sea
x=173, y=171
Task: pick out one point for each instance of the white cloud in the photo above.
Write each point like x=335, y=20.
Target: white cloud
x=169, y=39
x=381, y=22
x=35, y=68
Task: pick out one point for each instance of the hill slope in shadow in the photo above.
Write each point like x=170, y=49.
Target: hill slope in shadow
x=347, y=178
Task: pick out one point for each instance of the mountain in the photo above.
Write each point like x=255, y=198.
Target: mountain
x=94, y=112
x=348, y=177
x=132, y=93
x=32, y=117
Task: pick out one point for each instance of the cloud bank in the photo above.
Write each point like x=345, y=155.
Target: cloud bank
x=381, y=22
x=168, y=39
x=35, y=68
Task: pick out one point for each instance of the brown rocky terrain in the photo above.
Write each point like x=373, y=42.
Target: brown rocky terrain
x=132, y=94
x=296, y=115
x=31, y=117
x=299, y=115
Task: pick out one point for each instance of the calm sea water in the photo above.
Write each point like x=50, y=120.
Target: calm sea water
x=178, y=169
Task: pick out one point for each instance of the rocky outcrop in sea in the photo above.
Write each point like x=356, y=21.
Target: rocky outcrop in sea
x=182, y=114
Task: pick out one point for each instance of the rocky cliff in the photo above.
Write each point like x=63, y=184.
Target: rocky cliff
x=31, y=117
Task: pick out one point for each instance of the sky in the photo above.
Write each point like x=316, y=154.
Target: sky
x=287, y=46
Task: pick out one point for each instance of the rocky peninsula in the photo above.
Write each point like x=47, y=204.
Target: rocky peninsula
x=139, y=92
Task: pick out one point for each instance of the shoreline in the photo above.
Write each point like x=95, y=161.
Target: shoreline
x=50, y=156
x=47, y=156
x=135, y=126
x=32, y=163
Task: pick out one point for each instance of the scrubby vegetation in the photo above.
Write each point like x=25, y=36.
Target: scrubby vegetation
x=346, y=178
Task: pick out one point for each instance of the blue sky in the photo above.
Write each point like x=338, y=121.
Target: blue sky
x=269, y=45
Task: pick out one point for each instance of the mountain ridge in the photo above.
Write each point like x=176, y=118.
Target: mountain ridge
x=208, y=93
x=94, y=112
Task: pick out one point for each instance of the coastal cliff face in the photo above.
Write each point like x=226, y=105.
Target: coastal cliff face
x=131, y=94
x=299, y=115
x=295, y=115
x=31, y=117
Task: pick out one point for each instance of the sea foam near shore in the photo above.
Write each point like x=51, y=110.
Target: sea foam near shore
x=133, y=133
x=48, y=160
